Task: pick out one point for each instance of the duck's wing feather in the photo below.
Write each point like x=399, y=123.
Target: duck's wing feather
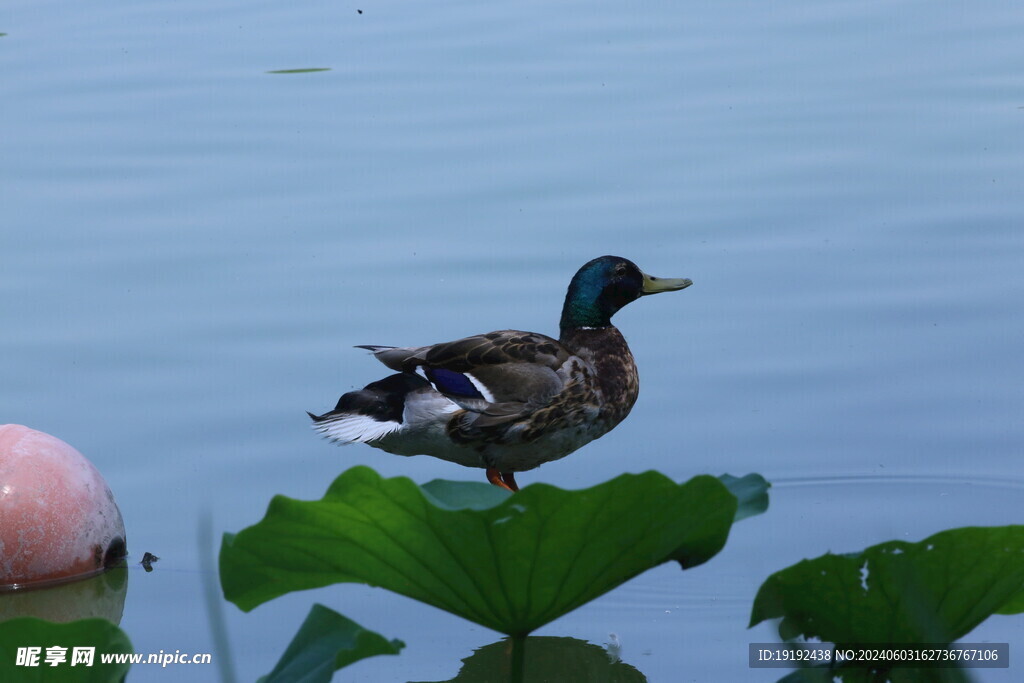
x=499, y=375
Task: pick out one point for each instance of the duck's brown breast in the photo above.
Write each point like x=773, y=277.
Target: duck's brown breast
x=614, y=370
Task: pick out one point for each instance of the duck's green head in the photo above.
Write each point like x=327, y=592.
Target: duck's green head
x=606, y=284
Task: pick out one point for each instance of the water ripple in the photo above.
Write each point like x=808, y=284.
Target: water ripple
x=1011, y=483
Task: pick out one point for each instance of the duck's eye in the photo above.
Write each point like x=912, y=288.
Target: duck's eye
x=620, y=270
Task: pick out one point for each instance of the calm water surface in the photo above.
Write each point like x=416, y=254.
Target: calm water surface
x=190, y=247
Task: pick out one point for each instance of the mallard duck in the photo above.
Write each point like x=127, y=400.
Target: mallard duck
x=507, y=401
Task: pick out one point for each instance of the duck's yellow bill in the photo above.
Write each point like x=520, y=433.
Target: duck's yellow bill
x=656, y=285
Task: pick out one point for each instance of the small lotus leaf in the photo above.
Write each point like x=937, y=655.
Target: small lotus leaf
x=326, y=642
x=751, y=493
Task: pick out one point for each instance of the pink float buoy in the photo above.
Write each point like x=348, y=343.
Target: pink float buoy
x=58, y=518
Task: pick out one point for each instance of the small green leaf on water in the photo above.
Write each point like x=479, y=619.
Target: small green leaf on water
x=60, y=641
x=299, y=71
x=511, y=563
x=751, y=492
x=935, y=591
x=464, y=495
x=326, y=642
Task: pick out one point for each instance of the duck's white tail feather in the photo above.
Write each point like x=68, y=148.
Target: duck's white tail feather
x=354, y=428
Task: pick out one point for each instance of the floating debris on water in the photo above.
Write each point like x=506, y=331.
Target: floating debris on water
x=147, y=561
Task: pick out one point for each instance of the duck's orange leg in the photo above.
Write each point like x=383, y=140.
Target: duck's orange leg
x=505, y=480
x=510, y=480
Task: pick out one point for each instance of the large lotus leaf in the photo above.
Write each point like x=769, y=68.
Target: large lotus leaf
x=935, y=591
x=326, y=642
x=565, y=660
x=508, y=562
x=66, y=644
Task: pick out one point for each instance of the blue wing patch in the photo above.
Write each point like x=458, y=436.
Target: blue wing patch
x=452, y=383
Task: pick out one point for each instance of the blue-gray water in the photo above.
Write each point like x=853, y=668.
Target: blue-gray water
x=190, y=246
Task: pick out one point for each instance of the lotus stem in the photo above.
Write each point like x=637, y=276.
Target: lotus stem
x=518, y=659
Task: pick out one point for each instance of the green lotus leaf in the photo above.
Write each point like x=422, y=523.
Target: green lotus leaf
x=935, y=591
x=326, y=642
x=511, y=563
x=1014, y=605
x=58, y=642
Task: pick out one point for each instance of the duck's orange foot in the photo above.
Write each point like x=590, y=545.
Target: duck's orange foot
x=505, y=480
